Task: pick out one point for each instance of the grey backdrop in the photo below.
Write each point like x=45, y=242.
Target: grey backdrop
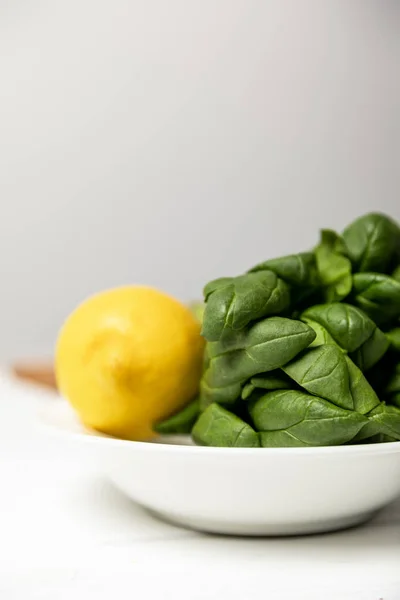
x=170, y=142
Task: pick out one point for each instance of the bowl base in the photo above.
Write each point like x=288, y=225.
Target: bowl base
x=264, y=529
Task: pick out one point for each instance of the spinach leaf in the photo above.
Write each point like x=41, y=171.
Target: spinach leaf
x=334, y=267
x=298, y=270
x=181, y=422
x=215, y=285
x=378, y=296
x=223, y=394
x=265, y=346
x=293, y=418
x=371, y=352
x=383, y=420
x=372, y=242
x=219, y=427
x=351, y=329
x=393, y=384
x=381, y=373
x=328, y=373
x=322, y=371
x=274, y=380
x=394, y=338
x=380, y=438
x=395, y=399
x=233, y=303
x=346, y=324
x=396, y=273
x=391, y=391
x=322, y=335
x=364, y=396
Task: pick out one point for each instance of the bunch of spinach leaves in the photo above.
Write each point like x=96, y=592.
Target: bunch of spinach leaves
x=304, y=350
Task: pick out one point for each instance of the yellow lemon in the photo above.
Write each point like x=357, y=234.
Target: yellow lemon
x=128, y=358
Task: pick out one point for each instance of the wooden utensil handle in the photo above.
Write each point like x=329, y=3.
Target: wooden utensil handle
x=36, y=373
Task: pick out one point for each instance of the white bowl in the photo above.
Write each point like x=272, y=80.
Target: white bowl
x=244, y=491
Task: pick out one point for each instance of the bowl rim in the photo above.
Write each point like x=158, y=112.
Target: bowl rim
x=91, y=436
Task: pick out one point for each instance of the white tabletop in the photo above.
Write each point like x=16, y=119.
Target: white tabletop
x=66, y=533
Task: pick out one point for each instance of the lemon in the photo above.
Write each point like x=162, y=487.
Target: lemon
x=128, y=358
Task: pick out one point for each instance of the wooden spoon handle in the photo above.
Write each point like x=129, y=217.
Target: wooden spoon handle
x=39, y=374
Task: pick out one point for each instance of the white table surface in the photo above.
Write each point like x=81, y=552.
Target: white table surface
x=66, y=533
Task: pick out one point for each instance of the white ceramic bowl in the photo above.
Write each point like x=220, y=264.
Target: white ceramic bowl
x=249, y=491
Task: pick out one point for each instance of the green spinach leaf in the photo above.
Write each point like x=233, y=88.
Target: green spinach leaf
x=222, y=394
x=351, y=329
x=372, y=242
x=181, y=422
x=371, y=352
x=396, y=273
x=219, y=427
x=265, y=346
x=394, y=338
x=215, y=285
x=383, y=420
x=378, y=296
x=393, y=384
x=346, y=324
x=334, y=267
x=274, y=380
x=364, y=396
x=298, y=270
x=395, y=399
x=293, y=418
x=322, y=371
x=391, y=388
x=234, y=303
x=327, y=372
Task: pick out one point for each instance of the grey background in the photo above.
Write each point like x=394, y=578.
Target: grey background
x=172, y=142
